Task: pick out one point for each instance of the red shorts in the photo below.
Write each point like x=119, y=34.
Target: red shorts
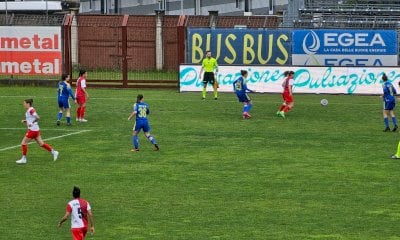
x=287, y=97
x=32, y=134
x=81, y=99
x=78, y=233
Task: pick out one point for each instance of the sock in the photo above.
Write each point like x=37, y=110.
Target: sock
x=204, y=92
x=83, y=112
x=250, y=105
x=282, y=107
x=78, y=112
x=59, y=116
x=286, y=109
x=68, y=119
x=245, y=108
x=386, y=121
x=152, y=140
x=24, y=150
x=394, y=120
x=135, y=141
x=47, y=147
x=215, y=93
x=398, y=150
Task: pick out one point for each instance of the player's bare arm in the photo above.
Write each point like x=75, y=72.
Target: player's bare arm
x=201, y=72
x=63, y=219
x=37, y=118
x=86, y=93
x=91, y=221
x=132, y=115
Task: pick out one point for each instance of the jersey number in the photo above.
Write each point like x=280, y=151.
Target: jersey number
x=80, y=213
x=60, y=89
x=142, y=112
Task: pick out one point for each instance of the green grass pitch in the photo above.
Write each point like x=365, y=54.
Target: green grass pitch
x=321, y=173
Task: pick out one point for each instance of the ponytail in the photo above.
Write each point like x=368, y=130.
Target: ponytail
x=139, y=98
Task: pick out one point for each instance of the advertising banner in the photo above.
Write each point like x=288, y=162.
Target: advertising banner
x=240, y=46
x=345, y=48
x=264, y=79
x=30, y=50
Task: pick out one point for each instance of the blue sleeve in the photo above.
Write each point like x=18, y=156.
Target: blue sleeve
x=71, y=93
x=244, y=86
x=248, y=89
x=385, y=89
x=58, y=89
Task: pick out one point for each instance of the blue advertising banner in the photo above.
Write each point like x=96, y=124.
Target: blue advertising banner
x=345, y=47
x=240, y=46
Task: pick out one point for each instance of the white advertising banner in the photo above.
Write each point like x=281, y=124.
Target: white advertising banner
x=268, y=79
x=30, y=50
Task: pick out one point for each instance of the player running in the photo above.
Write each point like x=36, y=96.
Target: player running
x=64, y=91
x=31, y=121
x=141, y=110
x=79, y=209
x=81, y=96
x=287, y=94
x=389, y=103
x=240, y=88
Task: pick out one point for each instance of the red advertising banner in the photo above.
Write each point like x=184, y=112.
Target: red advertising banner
x=30, y=50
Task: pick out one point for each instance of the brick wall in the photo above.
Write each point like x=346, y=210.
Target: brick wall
x=100, y=38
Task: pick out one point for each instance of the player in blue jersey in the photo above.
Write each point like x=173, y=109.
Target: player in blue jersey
x=141, y=110
x=240, y=88
x=389, y=103
x=64, y=91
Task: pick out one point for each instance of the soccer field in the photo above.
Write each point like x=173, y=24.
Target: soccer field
x=321, y=173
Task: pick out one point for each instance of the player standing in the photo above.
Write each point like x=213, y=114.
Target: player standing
x=209, y=65
x=389, y=103
x=287, y=94
x=81, y=96
x=141, y=110
x=64, y=91
x=240, y=88
x=31, y=121
x=79, y=209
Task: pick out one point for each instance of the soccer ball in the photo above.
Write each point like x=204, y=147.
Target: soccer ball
x=324, y=102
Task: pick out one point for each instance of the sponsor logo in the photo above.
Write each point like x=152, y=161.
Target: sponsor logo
x=353, y=39
x=313, y=47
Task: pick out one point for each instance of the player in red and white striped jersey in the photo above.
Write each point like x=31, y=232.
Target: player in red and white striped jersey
x=79, y=210
x=287, y=94
x=81, y=96
x=31, y=121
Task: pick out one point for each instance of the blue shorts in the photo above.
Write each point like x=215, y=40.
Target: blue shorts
x=141, y=125
x=389, y=105
x=63, y=103
x=243, y=97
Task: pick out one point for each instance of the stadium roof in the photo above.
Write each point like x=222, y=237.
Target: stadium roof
x=30, y=6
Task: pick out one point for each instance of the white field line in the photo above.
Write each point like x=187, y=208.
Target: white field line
x=41, y=129
x=47, y=139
